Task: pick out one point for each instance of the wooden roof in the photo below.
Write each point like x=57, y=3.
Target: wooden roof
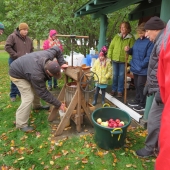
x=98, y=7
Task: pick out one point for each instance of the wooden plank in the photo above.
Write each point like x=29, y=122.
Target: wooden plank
x=62, y=93
x=78, y=125
x=73, y=72
x=86, y=110
x=53, y=115
x=122, y=106
x=69, y=111
x=54, y=111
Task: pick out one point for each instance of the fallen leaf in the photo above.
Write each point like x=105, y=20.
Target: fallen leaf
x=20, y=159
x=51, y=162
x=84, y=161
x=66, y=168
x=64, y=152
x=129, y=165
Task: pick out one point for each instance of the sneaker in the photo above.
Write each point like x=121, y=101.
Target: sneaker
x=112, y=93
x=133, y=103
x=143, y=153
x=13, y=99
x=27, y=129
x=119, y=94
x=139, y=108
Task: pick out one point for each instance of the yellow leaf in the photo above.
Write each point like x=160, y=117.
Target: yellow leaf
x=115, y=160
x=40, y=146
x=51, y=162
x=64, y=152
x=12, y=143
x=20, y=159
x=66, y=168
x=129, y=165
x=134, y=166
x=100, y=154
x=114, y=164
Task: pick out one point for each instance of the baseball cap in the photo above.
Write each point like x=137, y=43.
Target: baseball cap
x=54, y=68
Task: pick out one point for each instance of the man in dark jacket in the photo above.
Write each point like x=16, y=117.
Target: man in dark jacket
x=30, y=73
x=17, y=45
x=154, y=30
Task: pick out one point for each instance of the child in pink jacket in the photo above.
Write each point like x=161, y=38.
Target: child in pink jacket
x=49, y=43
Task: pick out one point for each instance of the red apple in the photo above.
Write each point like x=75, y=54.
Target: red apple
x=121, y=124
x=117, y=121
x=111, y=120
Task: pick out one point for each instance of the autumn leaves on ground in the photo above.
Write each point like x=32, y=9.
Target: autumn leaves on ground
x=39, y=150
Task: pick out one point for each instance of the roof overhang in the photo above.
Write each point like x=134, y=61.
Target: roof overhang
x=102, y=7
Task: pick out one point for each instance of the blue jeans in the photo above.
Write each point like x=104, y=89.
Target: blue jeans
x=14, y=90
x=118, y=76
x=54, y=82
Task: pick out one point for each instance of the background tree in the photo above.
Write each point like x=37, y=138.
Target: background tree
x=43, y=15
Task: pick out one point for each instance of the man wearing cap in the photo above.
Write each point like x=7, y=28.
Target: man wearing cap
x=18, y=44
x=1, y=28
x=30, y=73
x=154, y=31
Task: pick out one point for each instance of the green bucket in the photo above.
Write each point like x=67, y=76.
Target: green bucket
x=110, y=138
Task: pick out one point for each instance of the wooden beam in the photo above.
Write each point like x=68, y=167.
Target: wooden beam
x=73, y=72
x=86, y=110
x=67, y=115
x=95, y=7
x=114, y=7
x=97, y=2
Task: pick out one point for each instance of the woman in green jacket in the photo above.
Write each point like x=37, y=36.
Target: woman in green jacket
x=117, y=54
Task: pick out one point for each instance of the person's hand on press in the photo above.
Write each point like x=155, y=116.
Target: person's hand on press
x=64, y=66
x=158, y=98
x=145, y=90
x=62, y=107
x=126, y=48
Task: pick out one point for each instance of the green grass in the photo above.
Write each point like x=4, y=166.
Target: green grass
x=39, y=150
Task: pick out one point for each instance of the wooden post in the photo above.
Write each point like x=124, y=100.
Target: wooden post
x=125, y=81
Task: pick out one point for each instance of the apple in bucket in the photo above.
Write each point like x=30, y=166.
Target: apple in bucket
x=99, y=120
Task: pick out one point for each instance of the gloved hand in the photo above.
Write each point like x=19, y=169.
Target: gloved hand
x=158, y=98
x=145, y=90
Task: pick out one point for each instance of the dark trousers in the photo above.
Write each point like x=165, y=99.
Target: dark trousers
x=14, y=90
x=97, y=92
x=139, y=81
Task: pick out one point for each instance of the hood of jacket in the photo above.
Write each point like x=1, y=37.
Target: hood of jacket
x=52, y=32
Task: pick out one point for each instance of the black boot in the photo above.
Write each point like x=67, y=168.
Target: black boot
x=95, y=99
x=103, y=96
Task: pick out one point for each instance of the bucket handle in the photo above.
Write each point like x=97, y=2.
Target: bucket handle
x=114, y=131
x=106, y=105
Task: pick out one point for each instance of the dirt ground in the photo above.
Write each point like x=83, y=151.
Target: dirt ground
x=86, y=126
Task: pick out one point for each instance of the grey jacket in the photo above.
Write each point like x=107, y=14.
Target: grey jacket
x=152, y=81
x=31, y=68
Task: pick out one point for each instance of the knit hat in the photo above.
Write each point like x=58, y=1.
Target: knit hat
x=23, y=26
x=103, y=51
x=154, y=23
x=54, y=68
x=1, y=26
